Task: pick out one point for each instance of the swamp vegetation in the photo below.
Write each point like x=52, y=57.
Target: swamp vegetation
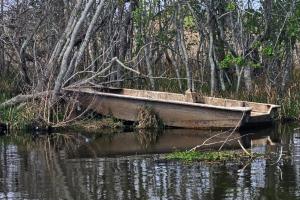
x=239, y=49
x=190, y=156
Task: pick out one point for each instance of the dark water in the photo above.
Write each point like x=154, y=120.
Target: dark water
x=128, y=166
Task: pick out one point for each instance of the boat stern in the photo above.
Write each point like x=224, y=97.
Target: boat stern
x=260, y=118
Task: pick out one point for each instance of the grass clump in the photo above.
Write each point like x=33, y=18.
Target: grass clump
x=148, y=119
x=18, y=117
x=290, y=103
x=211, y=156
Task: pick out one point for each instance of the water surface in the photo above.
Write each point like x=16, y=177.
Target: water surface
x=130, y=166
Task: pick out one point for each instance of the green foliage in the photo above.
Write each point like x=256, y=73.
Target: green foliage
x=189, y=22
x=290, y=109
x=165, y=37
x=290, y=103
x=268, y=51
x=138, y=20
x=230, y=61
x=254, y=65
x=231, y=6
x=190, y=156
x=257, y=44
x=150, y=23
x=252, y=21
x=293, y=23
x=17, y=117
x=293, y=27
x=3, y=97
x=293, y=30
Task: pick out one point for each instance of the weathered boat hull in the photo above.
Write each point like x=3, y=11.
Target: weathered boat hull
x=172, y=113
x=190, y=110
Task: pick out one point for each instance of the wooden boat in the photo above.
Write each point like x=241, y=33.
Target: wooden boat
x=189, y=110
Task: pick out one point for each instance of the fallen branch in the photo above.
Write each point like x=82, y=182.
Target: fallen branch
x=280, y=155
x=205, y=142
x=219, y=142
x=21, y=98
x=244, y=149
x=125, y=67
x=223, y=142
x=98, y=74
x=236, y=127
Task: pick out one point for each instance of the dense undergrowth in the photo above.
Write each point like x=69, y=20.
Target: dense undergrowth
x=17, y=117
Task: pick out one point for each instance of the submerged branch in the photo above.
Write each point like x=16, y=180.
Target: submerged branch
x=223, y=142
x=236, y=127
x=244, y=149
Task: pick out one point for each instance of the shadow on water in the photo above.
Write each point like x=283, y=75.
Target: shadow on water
x=128, y=166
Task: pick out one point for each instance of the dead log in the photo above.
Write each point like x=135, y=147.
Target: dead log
x=23, y=98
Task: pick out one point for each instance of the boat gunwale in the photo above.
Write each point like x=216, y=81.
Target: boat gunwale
x=271, y=106
x=95, y=92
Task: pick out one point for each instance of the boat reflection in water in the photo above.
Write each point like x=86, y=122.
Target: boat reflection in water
x=156, y=141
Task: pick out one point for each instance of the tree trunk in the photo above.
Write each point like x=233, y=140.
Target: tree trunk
x=247, y=78
x=78, y=57
x=64, y=64
x=183, y=50
x=22, y=53
x=149, y=67
x=125, y=40
x=239, y=77
x=222, y=82
x=175, y=65
x=287, y=69
x=58, y=47
x=89, y=33
x=92, y=53
x=2, y=47
x=212, y=63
